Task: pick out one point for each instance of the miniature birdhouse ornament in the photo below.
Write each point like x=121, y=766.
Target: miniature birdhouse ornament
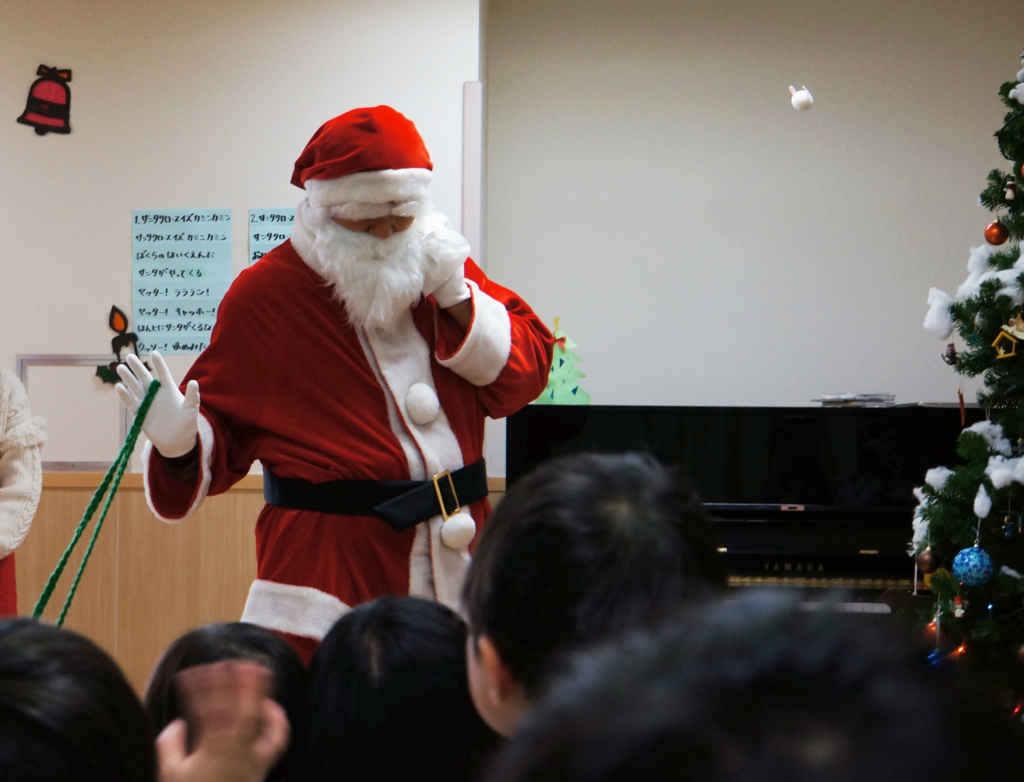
x=801, y=98
x=1005, y=344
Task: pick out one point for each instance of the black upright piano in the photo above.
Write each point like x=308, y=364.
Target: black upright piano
x=800, y=496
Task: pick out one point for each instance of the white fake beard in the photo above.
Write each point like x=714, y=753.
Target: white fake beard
x=375, y=279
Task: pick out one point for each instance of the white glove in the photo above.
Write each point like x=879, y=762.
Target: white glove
x=453, y=290
x=448, y=249
x=172, y=423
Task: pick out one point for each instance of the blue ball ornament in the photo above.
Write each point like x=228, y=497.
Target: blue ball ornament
x=973, y=566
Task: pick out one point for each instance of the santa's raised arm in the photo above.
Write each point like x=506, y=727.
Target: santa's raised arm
x=357, y=362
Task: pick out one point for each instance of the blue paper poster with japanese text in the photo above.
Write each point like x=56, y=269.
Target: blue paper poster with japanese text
x=267, y=229
x=181, y=269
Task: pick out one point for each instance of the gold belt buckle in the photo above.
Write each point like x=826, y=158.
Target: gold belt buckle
x=440, y=500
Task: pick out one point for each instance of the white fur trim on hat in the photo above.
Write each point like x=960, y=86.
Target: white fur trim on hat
x=370, y=187
x=362, y=210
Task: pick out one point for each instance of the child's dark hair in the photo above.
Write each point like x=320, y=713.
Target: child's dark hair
x=583, y=547
x=389, y=701
x=758, y=689
x=67, y=714
x=230, y=641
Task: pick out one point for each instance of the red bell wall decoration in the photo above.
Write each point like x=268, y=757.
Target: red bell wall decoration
x=49, y=102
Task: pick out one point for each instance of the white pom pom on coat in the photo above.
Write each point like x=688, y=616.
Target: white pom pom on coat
x=421, y=403
x=458, y=531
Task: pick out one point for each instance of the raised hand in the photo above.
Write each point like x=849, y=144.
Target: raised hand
x=235, y=731
x=172, y=422
x=448, y=249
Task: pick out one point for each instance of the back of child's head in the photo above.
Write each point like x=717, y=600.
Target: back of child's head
x=230, y=641
x=388, y=699
x=759, y=690
x=581, y=548
x=67, y=714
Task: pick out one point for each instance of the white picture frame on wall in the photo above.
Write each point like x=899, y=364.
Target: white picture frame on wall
x=86, y=422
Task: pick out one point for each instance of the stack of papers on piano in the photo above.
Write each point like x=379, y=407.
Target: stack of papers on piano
x=857, y=400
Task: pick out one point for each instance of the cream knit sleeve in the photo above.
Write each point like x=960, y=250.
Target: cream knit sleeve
x=21, y=474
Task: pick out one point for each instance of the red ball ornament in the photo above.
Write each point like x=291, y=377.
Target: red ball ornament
x=996, y=232
x=926, y=561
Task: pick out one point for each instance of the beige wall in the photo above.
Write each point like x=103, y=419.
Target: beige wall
x=192, y=104
x=705, y=243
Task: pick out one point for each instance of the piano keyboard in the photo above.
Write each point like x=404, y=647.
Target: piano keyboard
x=821, y=583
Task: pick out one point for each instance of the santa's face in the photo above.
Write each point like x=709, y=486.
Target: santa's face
x=376, y=266
x=381, y=227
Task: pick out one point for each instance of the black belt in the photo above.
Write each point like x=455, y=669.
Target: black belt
x=402, y=504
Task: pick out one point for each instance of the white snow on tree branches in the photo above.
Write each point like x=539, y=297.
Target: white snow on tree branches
x=977, y=267
x=982, y=503
x=1000, y=470
x=1006, y=570
x=993, y=433
x=919, y=522
x=938, y=321
x=920, y=533
x=936, y=477
x=978, y=275
x=1017, y=92
x=977, y=261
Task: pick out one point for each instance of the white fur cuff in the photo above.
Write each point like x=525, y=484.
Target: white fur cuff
x=296, y=610
x=205, y=472
x=484, y=352
x=370, y=187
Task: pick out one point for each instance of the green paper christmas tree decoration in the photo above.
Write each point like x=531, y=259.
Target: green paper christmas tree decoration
x=563, y=381
x=980, y=502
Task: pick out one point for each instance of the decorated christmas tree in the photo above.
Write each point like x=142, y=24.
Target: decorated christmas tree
x=563, y=381
x=969, y=526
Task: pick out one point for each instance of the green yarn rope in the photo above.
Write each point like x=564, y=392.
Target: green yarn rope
x=111, y=480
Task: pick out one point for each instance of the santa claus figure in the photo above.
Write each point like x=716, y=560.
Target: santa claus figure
x=356, y=362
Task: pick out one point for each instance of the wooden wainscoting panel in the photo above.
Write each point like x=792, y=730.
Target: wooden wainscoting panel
x=175, y=577
x=93, y=612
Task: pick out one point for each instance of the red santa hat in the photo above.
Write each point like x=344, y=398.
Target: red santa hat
x=366, y=163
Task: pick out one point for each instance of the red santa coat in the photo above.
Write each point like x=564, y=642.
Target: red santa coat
x=288, y=381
